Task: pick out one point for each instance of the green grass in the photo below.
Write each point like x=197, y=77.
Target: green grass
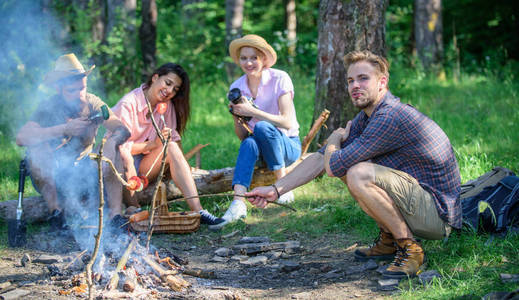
x=478, y=113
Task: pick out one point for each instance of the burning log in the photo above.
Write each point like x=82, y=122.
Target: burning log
x=176, y=283
x=77, y=290
x=168, y=260
x=130, y=281
x=129, y=285
x=114, y=281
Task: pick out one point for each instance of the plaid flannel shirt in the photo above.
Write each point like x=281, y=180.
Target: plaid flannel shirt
x=400, y=137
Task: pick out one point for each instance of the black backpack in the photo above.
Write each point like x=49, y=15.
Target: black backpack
x=492, y=177
x=495, y=208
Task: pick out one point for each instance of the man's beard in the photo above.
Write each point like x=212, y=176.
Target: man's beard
x=363, y=104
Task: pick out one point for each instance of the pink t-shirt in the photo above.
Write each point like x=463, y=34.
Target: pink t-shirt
x=274, y=83
x=132, y=111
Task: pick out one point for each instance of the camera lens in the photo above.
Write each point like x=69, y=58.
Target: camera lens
x=234, y=95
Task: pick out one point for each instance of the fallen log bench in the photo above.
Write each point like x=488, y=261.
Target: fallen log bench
x=207, y=181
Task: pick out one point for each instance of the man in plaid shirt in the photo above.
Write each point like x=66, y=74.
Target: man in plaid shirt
x=397, y=164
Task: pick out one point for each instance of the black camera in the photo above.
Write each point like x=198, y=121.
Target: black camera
x=234, y=96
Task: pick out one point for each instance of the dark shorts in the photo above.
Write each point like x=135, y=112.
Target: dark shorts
x=137, y=159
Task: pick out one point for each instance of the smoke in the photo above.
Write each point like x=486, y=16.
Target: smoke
x=28, y=32
x=32, y=39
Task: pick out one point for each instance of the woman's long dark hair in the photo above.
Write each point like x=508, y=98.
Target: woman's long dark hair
x=181, y=99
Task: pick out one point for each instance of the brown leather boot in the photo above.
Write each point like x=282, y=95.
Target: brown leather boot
x=382, y=248
x=409, y=260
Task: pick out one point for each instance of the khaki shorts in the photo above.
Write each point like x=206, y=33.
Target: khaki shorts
x=416, y=204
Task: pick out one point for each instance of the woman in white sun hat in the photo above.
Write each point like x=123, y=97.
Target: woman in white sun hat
x=274, y=130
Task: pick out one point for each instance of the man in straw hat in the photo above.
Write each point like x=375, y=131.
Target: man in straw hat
x=397, y=164
x=59, y=136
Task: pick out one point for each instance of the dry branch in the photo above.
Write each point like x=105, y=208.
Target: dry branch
x=100, y=225
x=155, y=192
x=313, y=131
x=165, y=142
x=193, y=151
x=112, y=166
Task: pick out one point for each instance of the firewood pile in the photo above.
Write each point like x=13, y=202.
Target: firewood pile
x=131, y=273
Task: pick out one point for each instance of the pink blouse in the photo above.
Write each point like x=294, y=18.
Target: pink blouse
x=274, y=83
x=132, y=111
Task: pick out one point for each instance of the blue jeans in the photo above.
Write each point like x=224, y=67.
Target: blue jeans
x=268, y=143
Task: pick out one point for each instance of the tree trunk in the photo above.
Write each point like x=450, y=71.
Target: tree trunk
x=115, y=18
x=148, y=36
x=120, y=12
x=343, y=26
x=189, y=8
x=233, y=30
x=99, y=21
x=291, y=24
x=428, y=31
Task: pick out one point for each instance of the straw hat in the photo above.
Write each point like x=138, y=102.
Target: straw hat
x=255, y=41
x=67, y=65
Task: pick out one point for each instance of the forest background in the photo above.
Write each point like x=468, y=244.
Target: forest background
x=472, y=91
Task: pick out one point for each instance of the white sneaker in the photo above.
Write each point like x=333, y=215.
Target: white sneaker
x=236, y=210
x=286, y=198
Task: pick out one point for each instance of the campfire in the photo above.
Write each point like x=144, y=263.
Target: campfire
x=132, y=272
x=136, y=274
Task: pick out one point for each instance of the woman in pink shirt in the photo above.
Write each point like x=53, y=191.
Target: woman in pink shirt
x=274, y=131
x=168, y=84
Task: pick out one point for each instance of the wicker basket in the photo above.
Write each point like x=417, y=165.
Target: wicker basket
x=170, y=222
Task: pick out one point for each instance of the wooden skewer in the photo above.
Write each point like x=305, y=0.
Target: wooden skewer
x=155, y=161
x=223, y=194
